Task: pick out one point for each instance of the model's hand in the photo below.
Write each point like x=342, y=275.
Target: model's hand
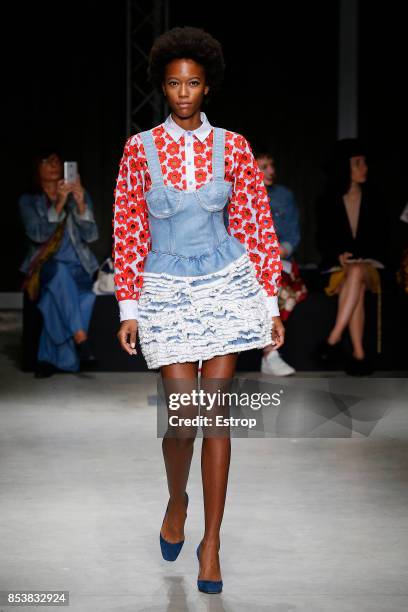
x=278, y=333
x=127, y=336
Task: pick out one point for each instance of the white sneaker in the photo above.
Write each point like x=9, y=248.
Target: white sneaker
x=273, y=364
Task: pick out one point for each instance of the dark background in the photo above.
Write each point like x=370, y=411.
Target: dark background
x=66, y=82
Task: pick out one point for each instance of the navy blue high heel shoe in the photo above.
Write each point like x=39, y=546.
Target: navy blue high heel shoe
x=208, y=586
x=170, y=550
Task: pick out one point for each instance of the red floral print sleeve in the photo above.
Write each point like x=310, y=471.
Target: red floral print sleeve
x=250, y=221
x=131, y=233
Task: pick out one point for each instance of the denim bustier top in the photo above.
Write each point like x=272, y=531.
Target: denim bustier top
x=187, y=228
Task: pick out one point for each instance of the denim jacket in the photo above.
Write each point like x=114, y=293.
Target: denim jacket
x=285, y=216
x=40, y=221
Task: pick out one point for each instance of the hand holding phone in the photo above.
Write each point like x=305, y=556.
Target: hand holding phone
x=63, y=190
x=70, y=171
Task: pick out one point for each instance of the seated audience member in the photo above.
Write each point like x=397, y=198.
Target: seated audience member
x=402, y=272
x=352, y=238
x=285, y=216
x=59, y=265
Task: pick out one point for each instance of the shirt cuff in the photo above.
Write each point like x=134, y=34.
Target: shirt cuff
x=128, y=309
x=52, y=215
x=271, y=302
x=87, y=215
x=288, y=247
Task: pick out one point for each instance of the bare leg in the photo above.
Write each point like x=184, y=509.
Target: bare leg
x=348, y=299
x=215, y=461
x=356, y=326
x=177, y=453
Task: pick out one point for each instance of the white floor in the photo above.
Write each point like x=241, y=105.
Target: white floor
x=318, y=524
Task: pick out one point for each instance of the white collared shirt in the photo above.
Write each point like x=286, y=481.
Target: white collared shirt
x=176, y=132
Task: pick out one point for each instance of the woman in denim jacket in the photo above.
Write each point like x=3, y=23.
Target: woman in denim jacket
x=59, y=266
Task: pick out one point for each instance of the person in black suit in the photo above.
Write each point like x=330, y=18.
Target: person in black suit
x=350, y=237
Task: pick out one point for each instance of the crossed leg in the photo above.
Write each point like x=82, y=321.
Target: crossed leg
x=350, y=311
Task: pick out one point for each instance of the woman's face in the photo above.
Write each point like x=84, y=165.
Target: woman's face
x=184, y=87
x=50, y=168
x=359, y=169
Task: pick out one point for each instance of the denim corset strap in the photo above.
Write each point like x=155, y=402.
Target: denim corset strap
x=218, y=154
x=153, y=160
x=162, y=200
x=152, y=157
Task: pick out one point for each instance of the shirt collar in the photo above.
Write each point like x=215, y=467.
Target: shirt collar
x=176, y=131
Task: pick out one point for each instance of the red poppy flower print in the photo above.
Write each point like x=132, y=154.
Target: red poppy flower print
x=249, y=202
x=249, y=172
x=200, y=176
x=129, y=274
x=130, y=256
x=174, y=177
x=240, y=236
x=119, y=248
x=122, y=294
x=266, y=222
x=120, y=217
x=130, y=242
x=250, y=228
x=119, y=263
x=242, y=198
x=266, y=275
x=160, y=143
x=120, y=232
x=121, y=186
x=132, y=226
x=198, y=146
x=121, y=201
x=120, y=279
x=236, y=223
x=240, y=142
x=255, y=257
x=172, y=149
x=199, y=161
x=270, y=237
x=174, y=163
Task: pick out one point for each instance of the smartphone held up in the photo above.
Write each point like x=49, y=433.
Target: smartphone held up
x=70, y=171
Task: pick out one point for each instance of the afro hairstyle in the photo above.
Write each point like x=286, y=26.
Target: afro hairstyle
x=190, y=43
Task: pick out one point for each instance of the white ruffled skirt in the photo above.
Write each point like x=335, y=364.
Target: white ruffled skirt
x=192, y=318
